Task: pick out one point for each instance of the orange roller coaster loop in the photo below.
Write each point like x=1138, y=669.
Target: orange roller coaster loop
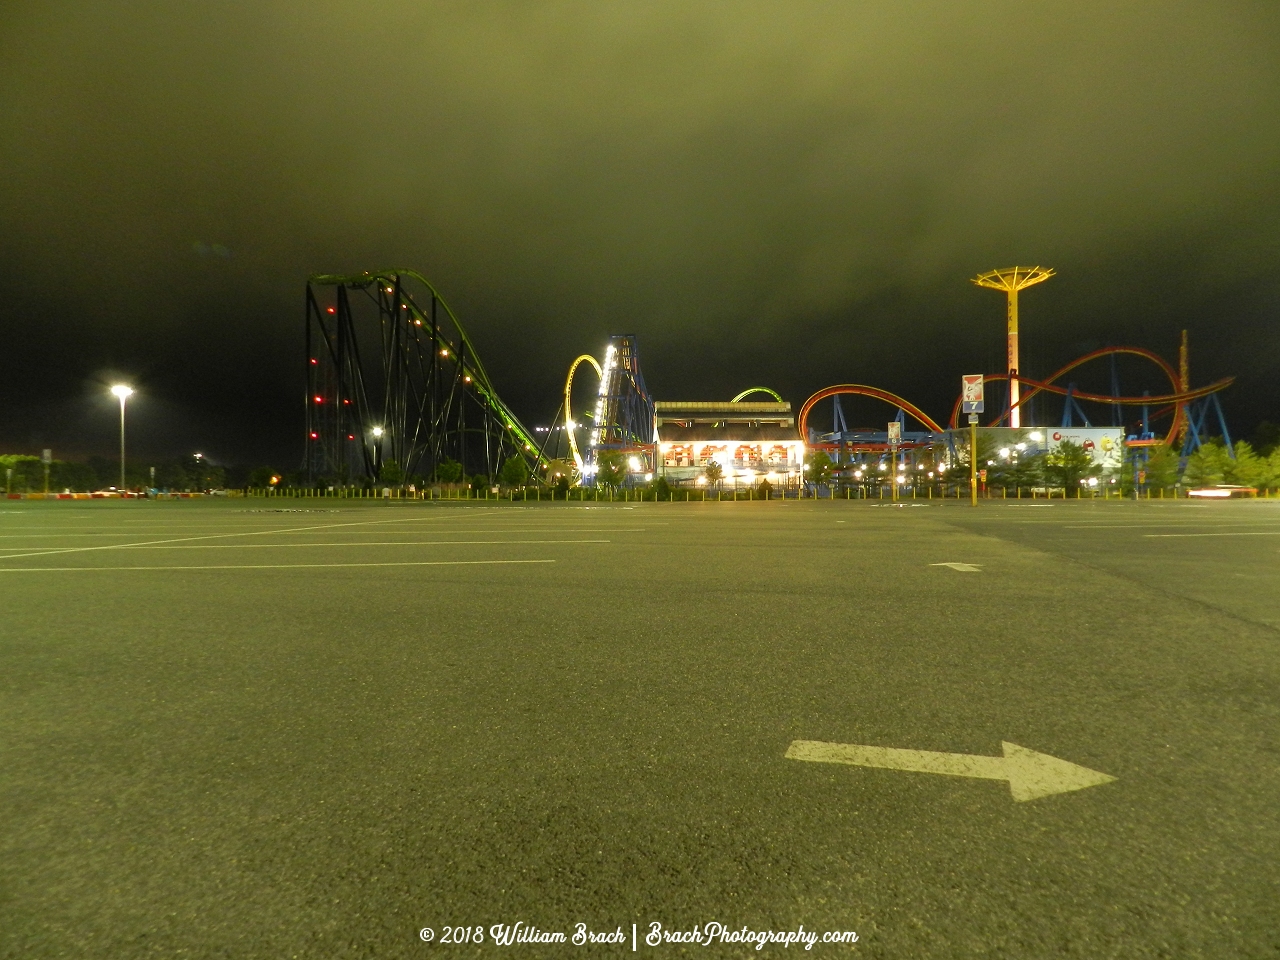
x=802, y=420
x=1179, y=398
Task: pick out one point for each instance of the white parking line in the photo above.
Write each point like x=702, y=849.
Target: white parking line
x=355, y=543
x=1238, y=533
x=272, y=566
x=211, y=536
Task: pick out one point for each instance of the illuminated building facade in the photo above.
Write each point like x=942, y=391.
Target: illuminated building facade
x=749, y=441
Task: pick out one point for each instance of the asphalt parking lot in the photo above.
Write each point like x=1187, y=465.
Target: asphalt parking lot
x=236, y=731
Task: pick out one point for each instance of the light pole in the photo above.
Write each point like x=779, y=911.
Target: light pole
x=123, y=392
x=377, y=454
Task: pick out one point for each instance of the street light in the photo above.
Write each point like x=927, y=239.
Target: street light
x=377, y=452
x=124, y=393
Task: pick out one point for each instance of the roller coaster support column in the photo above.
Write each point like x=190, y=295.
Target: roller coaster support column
x=973, y=459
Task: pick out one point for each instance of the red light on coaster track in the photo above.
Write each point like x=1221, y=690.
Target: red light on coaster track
x=333, y=310
x=315, y=436
x=319, y=399
x=314, y=360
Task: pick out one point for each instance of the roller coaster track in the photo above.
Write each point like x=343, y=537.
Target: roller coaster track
x=750, y=390
x=569, y=425
x=1178, y=399
x=409, y=352
x=864, y=391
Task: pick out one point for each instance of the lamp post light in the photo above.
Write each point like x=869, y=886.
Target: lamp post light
x=123, y=392
x=377, y=453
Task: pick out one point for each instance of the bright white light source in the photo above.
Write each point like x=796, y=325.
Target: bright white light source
x=634, y=463
x=121, y=391
x=1036, y=435
x=377, y=431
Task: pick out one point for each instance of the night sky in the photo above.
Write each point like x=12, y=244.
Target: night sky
x=791, y=195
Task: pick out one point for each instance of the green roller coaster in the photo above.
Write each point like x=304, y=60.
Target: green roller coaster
x=426, y=402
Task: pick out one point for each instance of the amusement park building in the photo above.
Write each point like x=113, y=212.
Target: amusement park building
x=750, y=441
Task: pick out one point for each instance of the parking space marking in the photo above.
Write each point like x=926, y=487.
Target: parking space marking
x=1237, y=533
x=339, y=543
x=274, y=566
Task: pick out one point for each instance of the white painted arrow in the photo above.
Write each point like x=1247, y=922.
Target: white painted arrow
x=1030, y=774
x=962, y=567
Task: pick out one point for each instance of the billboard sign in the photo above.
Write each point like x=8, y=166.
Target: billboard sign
x=1104, y=444
x=895, y=431
x=971, y=393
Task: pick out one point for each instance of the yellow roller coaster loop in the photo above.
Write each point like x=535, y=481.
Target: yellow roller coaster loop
x=746, y=393
x=570, y=426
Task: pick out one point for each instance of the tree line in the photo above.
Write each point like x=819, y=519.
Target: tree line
x=21, y=473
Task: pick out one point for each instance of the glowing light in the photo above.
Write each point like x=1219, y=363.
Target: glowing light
x=701, y=481
x=315, y=436
x=634, y=463
x=121, y=391
x=377, y=431
x=319, y=399
x=648, y=476
x=1036, y=435
x=1004, y=452
x=388, y=290
x=314, y=360
x=333, y=310
x=444, y=353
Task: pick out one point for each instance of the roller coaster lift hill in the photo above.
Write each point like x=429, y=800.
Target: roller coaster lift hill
x=421, y=399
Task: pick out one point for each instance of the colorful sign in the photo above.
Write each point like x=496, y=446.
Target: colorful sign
x=971, y=393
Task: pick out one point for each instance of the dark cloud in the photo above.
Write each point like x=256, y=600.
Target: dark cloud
x=788, y=194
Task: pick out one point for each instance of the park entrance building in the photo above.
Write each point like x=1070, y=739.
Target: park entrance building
x=750, y=442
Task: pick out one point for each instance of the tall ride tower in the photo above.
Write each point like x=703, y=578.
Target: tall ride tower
x=1011, y=280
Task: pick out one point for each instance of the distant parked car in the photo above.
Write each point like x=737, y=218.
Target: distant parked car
x=1223, y=491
